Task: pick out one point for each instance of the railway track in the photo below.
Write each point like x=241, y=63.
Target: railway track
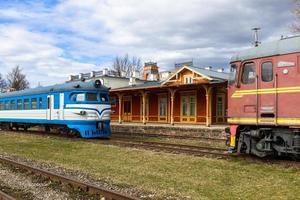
x=168, y=147
x=169, y=136
x=103, y=193
x=4, y=196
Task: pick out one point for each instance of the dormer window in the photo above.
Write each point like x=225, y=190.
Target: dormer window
x=188, y=80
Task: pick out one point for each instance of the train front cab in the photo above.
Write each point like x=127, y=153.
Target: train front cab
x=263, y=112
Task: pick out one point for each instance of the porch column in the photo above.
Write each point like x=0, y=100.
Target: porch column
x=172, y=95
x=144, y=96
x=208, y=92
x=120, y=96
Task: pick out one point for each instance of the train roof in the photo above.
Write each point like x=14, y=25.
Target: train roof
x=279, y=47
x=72, y=86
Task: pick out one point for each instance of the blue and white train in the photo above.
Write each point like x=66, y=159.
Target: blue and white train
x=83, y=107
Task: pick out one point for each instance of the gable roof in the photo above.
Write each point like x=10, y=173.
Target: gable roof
x=211, y=75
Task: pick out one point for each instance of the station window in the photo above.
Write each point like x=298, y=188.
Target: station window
x=13, y=104
x=26, y=104
x=267, y=71
x=40, y=103
x=33, y=103
x=104, y=97
x=188, y=80
x=91, y=96
x=249, y=73
x=19, y=104
x=1, y=106
x=6, y=105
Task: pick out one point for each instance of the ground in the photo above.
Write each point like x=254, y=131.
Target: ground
x=162, y=174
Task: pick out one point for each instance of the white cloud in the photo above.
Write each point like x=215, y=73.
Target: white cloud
x=73, y=36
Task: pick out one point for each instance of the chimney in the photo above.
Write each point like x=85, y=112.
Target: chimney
x=208, y=68
x=221, y=70
x=123, y=73
x=105, y=72
x=132, y=81
x=71, y=78
x=150, y=69
x=92, y=74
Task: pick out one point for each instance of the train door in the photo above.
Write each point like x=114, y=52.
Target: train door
x=50, y=107
x=61, y=105
x=248, y=82
x=267, y=107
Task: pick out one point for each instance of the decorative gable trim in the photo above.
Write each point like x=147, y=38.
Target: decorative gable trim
x=180, y=70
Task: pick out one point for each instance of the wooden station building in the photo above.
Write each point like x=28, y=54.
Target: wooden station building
x=190, y=95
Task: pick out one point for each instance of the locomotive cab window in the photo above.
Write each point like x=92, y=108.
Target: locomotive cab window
x=249, y=73
x=267, y=71
x=104, y=97
x=1, y=106
x=232, y=76
x=91, y=97
x=78, y=97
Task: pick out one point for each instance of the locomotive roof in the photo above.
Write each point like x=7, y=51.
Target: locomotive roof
x=279, y=47
x=72, y=86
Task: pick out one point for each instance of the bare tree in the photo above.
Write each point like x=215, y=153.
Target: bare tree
x=296, y=25
x=3, y=84
x=17, y=80
x=126, y=65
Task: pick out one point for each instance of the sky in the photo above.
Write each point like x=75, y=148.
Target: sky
x=53, y=39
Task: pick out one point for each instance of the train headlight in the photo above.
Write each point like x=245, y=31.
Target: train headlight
x=82, y=112
x=98, y=83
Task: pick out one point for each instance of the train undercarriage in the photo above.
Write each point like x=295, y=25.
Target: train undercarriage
x=268, y=141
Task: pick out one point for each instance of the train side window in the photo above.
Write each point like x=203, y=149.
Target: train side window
x=26, y=104
x=249, y=73
x=1, y=106
x=40, y=103
x=267, y=71
x=19, y=104
x=6, y=105
x=13, y=104
x=33, y=103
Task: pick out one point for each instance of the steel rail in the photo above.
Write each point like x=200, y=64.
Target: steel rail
x=4, y=196
x=87, y=187
x=196, y=151
x=170, y=136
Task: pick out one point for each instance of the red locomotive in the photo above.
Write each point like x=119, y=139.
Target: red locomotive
x=264, y=99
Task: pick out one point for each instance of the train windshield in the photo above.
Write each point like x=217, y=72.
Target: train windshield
x=232, y=76
x=90, y=97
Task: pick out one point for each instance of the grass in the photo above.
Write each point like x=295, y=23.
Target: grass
x=161, y=173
